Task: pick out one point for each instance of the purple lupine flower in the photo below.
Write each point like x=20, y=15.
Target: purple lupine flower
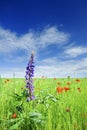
x=29, y=81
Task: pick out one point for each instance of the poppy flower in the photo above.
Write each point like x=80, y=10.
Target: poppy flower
x=68, y=83
x=66, y=89
x=79, y=90
x=67, y=109
x=14, y=115
x=77, y=80
x=60, y=89
x=6, y=81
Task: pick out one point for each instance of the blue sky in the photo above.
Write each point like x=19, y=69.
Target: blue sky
x=54, y=29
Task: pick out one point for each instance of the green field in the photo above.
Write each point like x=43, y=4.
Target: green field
x=53, y=108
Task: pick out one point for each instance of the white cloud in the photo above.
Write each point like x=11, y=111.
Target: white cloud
x=9, y=41
x=52, y=36
x=52, y=68
x=75, y=51
x=9, y=72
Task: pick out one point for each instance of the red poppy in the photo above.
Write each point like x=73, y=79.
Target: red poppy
x=79, y=90
x=66, y=89
x=77, y=80
x=60, y=89
x=67, y=109
x=14, y=115
x=68, y=83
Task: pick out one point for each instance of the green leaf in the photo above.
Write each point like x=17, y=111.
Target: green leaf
x=36, y=117
x=35, y=114
x=16, y=125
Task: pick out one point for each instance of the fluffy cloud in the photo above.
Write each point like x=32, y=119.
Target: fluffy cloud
x=52, y=36
x=51, y=67
x=9, y=41
x=75, y=51
x=12, y=44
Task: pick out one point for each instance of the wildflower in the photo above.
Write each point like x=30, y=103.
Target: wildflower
x=58, y=83
x=6, y=81
x=14, y=115
x=68, y=83
x=66, y=89
x=29, y=80
x=67, y=109
x=59, y=89
x=77, y=80
x=79, y=90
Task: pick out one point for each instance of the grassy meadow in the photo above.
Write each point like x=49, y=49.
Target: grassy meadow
x=60, y=104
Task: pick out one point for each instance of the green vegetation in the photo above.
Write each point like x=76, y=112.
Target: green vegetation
x=53, y=108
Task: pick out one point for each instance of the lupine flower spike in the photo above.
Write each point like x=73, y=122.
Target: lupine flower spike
x=29, y=78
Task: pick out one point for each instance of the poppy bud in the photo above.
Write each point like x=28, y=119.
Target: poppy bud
x=14, y=115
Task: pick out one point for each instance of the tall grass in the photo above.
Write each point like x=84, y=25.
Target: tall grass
x=49, y=111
